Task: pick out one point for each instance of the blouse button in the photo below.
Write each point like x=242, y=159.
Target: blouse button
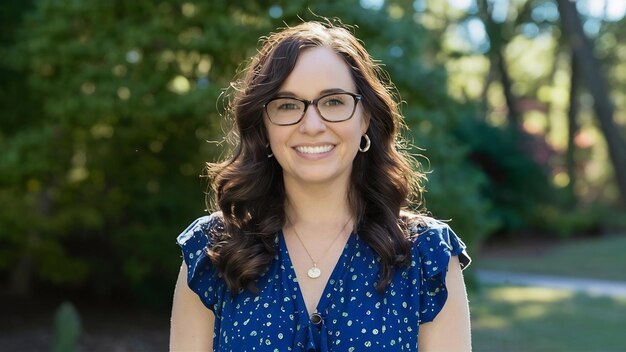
x=316, y=318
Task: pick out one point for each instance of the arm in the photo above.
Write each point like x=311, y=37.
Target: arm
x=192, y=323
x=450, y=331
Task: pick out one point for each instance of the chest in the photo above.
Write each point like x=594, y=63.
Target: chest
x=353, y=314
x=312, y=275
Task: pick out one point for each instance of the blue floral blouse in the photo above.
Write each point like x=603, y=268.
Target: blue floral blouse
x=354, y=316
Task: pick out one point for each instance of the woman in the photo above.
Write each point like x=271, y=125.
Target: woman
x=311, y=249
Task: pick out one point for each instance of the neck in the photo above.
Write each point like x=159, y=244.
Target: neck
x=321, y=206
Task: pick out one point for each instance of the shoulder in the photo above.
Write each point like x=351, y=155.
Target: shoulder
x=194, y=241
x=205, y=228
x=419, y=224
x=432, y=237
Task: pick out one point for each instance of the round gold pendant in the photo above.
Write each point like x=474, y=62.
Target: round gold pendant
x=314, y=272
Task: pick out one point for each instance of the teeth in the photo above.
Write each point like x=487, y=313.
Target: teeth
x=314, y=150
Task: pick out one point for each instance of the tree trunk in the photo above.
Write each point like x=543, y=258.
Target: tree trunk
x=597, y=86
x=511, y=101
x=498, y=63
x=572, y=124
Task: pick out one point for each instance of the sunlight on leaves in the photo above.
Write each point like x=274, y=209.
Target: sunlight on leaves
x=88, y=88
x=204, y=65
x=561, y=179
x=535, y=122
x=78, y=172
x=156, y=146
x=102, y=130
x=471, y=83
x=189, y=35
x=395, y=12
x=123, y=93
x=119, y=70
x=188, y=9
x=180, y=85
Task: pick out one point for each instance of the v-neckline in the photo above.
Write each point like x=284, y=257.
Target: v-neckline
x=333, y=279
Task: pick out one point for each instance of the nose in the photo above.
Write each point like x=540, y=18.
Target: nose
x=312, y=122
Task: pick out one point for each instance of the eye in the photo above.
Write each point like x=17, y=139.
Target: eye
x=333, y=100
x=288, y=106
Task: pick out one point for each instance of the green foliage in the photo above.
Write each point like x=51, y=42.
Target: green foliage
x=566, y=222
x=67, y=328
x=454, y=184
x=101, y=156
x=108, y=168
x=517, y=184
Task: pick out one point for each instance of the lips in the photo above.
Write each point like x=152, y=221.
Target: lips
x=315, y=149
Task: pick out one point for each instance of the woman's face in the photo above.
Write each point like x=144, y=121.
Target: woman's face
x=315, y=151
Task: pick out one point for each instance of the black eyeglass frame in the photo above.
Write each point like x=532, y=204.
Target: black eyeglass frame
x=356, y=97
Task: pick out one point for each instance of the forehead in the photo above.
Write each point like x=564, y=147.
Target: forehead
x=318, y=69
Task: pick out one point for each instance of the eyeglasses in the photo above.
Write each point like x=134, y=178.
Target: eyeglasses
x=333, y=107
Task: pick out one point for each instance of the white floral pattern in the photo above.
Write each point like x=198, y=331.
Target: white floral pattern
x=355, y=317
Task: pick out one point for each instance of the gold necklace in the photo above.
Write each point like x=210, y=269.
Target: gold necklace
x=314, y=272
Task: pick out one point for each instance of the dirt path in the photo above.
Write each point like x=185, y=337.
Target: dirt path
x=588, y=286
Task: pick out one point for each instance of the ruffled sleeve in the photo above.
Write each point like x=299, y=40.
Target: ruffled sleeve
x=435, y=244
x=202, y=276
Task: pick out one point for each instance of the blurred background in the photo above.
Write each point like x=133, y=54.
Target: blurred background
x=109, y=110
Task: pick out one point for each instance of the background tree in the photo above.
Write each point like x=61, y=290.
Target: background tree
x=596, y=84
x=529, y=34
x=125, y=96
x=107, y=107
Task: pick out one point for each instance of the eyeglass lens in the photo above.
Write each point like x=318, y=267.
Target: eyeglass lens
x=335, y=108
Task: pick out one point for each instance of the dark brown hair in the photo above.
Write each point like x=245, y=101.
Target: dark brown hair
x=248, y=187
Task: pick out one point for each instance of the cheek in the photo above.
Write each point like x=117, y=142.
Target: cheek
x=270, y=133
x=354, y=134
x=277, y=139
x=274, y=137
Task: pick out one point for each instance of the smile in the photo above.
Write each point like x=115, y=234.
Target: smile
x=315, y=150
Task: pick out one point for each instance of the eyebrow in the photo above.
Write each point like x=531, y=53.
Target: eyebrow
x=323, y=92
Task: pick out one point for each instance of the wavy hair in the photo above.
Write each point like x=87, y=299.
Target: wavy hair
x=248, y=186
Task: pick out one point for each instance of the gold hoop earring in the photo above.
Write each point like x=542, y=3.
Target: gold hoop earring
x=368, y=143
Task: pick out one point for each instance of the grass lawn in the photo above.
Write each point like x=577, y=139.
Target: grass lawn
x=602, y=258
x=512, y=318
x=517, y=318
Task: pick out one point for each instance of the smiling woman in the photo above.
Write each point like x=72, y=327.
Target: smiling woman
x=311, y=246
